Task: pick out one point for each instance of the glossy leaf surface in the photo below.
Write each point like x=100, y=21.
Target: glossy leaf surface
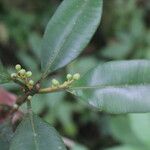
x=34, y=134
x=69, y=31
x=117, y=87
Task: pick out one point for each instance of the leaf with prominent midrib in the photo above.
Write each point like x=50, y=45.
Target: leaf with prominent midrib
x=69, y=31
x=35, y=134
x=4, y=75
x=117, y=87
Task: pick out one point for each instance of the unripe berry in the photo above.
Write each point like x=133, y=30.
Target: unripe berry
x=31, y=82
x=22, y=72
x=55, y=82
x=76, y=76
x=69, y=76
x=18, y=67
x=29, y=97
x=28, y=74
x=13, y=75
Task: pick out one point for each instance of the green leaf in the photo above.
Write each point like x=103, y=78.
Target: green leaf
x=118, y=49
x=34, y=134
x=79, y=147
x=69, y=31
x=117, y=87
x=127, y=147
x=28, y=61
x=6, y=133
x=138, y=122
x=77, y=65
x=4, y=75
x=121, y=130
x=35, y=44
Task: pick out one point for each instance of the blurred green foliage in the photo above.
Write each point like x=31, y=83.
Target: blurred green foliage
x=123, y=34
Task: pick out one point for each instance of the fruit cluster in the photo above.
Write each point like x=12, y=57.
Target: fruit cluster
x=70, y=79
x=23, y=76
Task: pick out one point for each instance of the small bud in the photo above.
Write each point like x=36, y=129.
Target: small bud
x=76, y=76
x=15, y=106
x=13, y=75
x=22, y=72
x=28, y=74
x=18, y=67
x=55, y=82
x=31, y=82
x=29, y=97
x=69, y=76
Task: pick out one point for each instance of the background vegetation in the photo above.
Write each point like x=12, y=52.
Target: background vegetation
x=123, y=34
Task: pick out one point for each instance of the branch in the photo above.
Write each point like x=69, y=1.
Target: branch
x=52, y=89
x=56, y=88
